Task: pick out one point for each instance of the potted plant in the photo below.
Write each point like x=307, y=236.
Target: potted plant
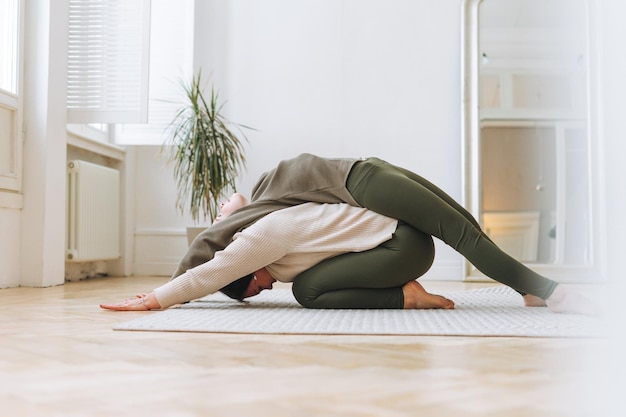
x=206, y=153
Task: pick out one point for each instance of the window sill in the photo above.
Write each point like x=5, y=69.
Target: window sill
x=75, y=139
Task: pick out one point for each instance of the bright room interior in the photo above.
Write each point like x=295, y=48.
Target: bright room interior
x=406, y=81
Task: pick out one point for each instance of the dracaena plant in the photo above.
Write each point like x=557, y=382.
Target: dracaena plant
x=206, y=151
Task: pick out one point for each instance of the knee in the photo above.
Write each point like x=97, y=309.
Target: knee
x=428, y=248
x=418, y=253
x=426, y=254
x=303, y=293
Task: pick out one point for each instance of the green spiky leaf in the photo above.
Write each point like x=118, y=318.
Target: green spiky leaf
x=205, y=150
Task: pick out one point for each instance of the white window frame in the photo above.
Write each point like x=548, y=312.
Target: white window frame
x=171, y=61
x=11, y=179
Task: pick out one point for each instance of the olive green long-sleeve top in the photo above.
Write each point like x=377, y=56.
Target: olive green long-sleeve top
x=305, y=178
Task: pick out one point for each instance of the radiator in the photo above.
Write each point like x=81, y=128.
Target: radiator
x=93, y=212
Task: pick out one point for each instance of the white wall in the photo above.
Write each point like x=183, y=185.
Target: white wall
x=350, y=78
x=344, y=78
x=159, y=237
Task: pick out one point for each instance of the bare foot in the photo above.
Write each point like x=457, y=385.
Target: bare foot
x=416, y=297
x=534, y=301
x=566, y=299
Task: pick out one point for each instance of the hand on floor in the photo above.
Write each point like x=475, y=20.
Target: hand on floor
x=142, y=302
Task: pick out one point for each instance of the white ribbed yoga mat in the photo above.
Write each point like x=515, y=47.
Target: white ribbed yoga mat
x=494, y=311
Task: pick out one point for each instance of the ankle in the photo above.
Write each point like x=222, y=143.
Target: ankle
x=409, y=297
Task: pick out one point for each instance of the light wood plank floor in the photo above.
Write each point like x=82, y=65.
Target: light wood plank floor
x=59, y=357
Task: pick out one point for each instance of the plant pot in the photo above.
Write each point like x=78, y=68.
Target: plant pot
x=192, y=232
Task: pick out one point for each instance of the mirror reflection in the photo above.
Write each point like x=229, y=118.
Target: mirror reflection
x=534, y=189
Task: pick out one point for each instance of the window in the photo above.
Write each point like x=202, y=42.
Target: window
x=112, y=44
x=171, y=60
x=10, y=113
x=9, y=34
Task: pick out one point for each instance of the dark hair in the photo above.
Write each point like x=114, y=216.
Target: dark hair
x=237, y=288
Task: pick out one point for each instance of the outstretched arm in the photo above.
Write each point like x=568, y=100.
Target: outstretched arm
x=218, y=236
x=141, y=302
x=257, y=246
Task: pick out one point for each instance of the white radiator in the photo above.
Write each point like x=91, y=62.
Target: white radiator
x=93, y=212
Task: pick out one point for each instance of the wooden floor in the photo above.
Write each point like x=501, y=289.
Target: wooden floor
x=59, y=357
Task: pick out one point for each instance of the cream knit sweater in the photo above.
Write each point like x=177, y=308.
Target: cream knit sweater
x=286, y=242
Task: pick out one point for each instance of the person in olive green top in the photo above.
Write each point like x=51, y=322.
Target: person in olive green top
x=389, y=190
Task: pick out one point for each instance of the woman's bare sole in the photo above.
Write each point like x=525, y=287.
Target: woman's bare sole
x=534, y=301
x=564, y=299
x=416, y=297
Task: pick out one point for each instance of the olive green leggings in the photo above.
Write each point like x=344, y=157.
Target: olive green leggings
x=404, y=195
x=370, y=279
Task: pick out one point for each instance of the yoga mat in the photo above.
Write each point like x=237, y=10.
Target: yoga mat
x=493, y=311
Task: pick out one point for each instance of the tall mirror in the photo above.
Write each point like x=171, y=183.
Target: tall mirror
x=529, y=160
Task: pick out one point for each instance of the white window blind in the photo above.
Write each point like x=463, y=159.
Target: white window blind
x=108, y=61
